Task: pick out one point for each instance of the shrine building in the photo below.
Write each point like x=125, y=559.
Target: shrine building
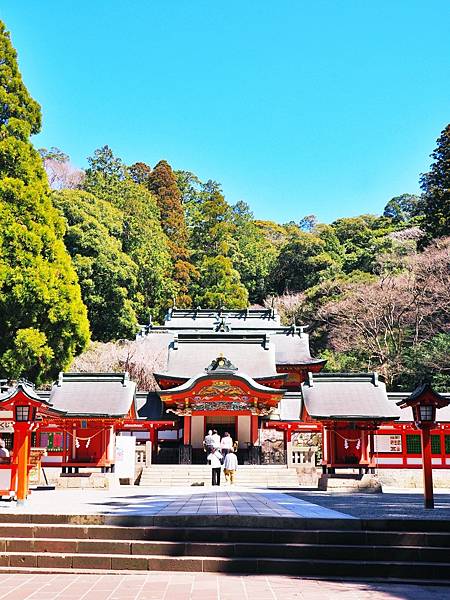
x=235, y=371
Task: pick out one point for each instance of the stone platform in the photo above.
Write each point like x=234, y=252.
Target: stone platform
x=222, y=531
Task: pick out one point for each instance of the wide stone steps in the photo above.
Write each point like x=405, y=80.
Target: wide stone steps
x=190, y=475
x=313, y=548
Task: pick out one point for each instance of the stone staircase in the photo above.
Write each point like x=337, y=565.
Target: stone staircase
x=255, y=476
x=388, y=549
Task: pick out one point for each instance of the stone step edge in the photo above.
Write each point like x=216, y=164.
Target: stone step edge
x=310, y=528
x=243, y=559
x=260, y=563
x=352, y=544
x=204, y=544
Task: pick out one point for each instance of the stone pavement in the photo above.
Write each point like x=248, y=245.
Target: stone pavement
x=398, y=504
x=182, y=501
x=204, y=586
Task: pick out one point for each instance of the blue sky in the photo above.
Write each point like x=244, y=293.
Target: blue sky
x=328, y=107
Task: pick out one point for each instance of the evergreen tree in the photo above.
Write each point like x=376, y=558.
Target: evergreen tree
x=363, y=240
x=214, y=248
x=436, y=191
x=140, y=173
x=162, y=183
x=402, y=209
x=107, y=276
x=220, y=284
x=142, y=237
x=43, y=321
x=305, y=260
x=254, y=256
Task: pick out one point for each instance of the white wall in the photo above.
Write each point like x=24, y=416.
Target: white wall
x=197, y=431
x=243, y=430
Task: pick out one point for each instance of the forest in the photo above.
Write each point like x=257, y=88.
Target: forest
x=87, y=255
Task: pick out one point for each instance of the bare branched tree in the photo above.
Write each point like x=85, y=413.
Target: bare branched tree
x=382, y=318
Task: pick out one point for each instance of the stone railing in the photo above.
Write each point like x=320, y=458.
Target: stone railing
x=143, y=456
x=301, y=455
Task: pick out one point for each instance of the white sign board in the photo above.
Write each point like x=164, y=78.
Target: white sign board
x=125, y=456
x=388, y=443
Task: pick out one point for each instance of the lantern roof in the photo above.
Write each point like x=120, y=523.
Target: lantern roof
x=424, y=394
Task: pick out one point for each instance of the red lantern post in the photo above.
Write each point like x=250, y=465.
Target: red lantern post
x=424, y=401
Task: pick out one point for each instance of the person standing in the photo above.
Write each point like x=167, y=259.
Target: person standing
x=208, y=442
x=230, y=465
x=215, y=460
x=226, y=443
x=216, y=438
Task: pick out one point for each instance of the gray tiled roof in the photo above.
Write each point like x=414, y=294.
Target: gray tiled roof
x=190, y=357
x=211, y=319
x=210, y=333
x=405, y=414
x=93, y=394
x=352, y=396
x=292, y=348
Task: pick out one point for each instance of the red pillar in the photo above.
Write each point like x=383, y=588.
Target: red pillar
x=427, y=468
x=21, y=451
x=288, y=434
x=364, y=448
x=329, y=459
x=187, y=431
x=254, y=429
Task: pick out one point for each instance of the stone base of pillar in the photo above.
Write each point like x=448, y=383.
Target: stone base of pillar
x=350, y=483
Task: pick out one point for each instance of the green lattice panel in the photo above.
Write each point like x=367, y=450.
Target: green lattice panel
x=414, y=446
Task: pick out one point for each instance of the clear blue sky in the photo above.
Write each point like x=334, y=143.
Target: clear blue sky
x=297, y=107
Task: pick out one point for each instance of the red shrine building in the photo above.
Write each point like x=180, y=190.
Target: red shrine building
x=236, y=371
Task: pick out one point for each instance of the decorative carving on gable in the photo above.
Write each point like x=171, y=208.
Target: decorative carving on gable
x=221, y=365
x=220, y=388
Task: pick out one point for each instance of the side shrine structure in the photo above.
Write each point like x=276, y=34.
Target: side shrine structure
x=236, y=371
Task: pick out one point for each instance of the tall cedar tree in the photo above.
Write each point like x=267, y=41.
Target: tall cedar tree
x=162, y=183
x=142, y=237
x=107, y=276
x=436, y=191
x=214, y=249
x=43, y=321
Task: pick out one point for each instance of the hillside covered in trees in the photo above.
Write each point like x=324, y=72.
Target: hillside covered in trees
x=104, y=249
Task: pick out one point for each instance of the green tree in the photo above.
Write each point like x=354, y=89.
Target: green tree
x=363, y=240
x=42, y=316
x=401, y=209
x=140, y=173
x=214, y=247
x=254, y=255
x=435, y=185
x=220, y=284
x=427, y=361
x=162, y=183
x=306, y=260
x=142, y=237
x=106, y=274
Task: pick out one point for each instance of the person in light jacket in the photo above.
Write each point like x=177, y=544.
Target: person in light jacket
x=230, y=465
x=215, y=460
x=226, y=443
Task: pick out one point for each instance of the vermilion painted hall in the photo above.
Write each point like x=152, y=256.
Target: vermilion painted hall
x=239, y=371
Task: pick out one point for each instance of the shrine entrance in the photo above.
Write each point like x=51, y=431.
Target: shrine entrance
x=222, y=424
x=224, y=400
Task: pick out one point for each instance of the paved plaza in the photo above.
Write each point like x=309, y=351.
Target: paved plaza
x=136, y=501
x=204, y=586
x=393, y=504
x=139, y=501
